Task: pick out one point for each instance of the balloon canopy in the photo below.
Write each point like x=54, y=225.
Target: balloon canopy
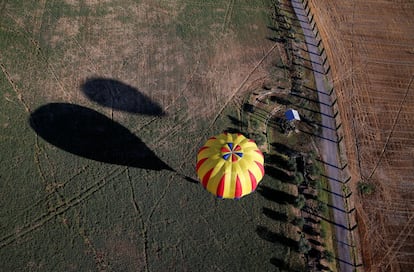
x=230, y=165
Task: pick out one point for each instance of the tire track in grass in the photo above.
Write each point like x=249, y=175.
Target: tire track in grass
x=49, y=195
x=399, y=242
x=101, y=263
x=14, y=86
x=227, y=16
x=178, y=172
x=38, y=17
x=394, y=123
x=59, y=209
x=95, y=69
x=172, y=103
x=174, y=100
x=51, y=189
x=138, y=210
x=36, y=45
x=2, y=6
x=207, y=130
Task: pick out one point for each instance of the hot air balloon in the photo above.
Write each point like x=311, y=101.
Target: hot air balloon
x=230, y=165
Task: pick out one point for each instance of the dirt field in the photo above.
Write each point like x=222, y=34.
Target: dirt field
x=369, y=45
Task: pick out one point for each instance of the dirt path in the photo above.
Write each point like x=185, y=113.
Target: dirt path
x=329, y=145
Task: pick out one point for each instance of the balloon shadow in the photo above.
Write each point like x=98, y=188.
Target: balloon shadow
x=120, y=96
x=88, y=133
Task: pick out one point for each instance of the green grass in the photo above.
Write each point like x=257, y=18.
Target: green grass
x=63, y=212
x=326, y=227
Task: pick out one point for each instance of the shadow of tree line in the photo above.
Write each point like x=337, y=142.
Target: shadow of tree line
x=283, y=165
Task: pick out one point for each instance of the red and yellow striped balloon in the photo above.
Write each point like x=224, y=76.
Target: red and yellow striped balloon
x=230, y=165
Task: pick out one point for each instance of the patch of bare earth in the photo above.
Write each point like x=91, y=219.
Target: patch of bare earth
x=125, y=254
x=114, y=46
x=228, y=74
x=369, y=45
x=138, y=47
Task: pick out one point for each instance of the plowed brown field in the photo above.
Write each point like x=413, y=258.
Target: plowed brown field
x=370, y=47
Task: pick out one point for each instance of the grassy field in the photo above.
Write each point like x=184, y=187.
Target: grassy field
x=104, y=105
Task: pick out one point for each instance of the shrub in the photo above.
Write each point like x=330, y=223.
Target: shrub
x=303, y=245
x=254, y=124
x=365, y=188
x=322, y=207
x=300, y=202
x=291, y=163
x=328, y=256
x=261, y=139
x=298, y=178
x=314, y=170
x=299, y=221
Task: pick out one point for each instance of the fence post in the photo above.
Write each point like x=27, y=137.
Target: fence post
x=319, y=43
x=323, y=50
x=326, y=59
x=346, y=181
x=327, y=71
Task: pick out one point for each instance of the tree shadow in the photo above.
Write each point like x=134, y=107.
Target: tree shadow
x=322, y=267
x=310, y=230
x=120, y=96
x=315, y=253
x=279, y=160
x=247, y=107
x=90, y=134
x=236, y=121
x=277, y=39
x=276, y=195
x=190, y=179
x=310, y=196
x=233, y=130
x=238, y=125
x=281, y=264
x=279, y=174
x=274, y=237
x=280, y=100
x=275, y=215
x=284, y=149
x=314, y=242
x=312, y=220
